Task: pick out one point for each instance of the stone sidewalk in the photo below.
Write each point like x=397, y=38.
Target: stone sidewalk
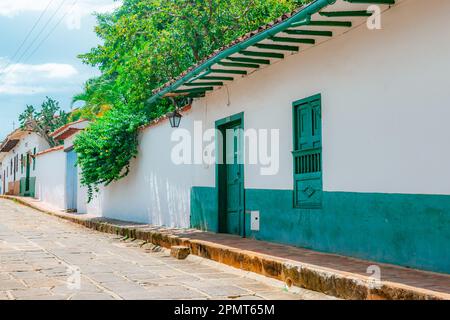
x=335, y=275
x=43, y=257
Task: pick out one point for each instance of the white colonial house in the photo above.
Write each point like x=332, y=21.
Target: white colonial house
x=339, y=113
x=58, y=176
x=326, y=129
x=18, y=162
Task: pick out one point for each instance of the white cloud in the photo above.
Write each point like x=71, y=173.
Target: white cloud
x=28, y=79
x=72, y=10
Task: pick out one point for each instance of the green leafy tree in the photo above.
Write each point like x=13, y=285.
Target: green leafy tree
x=44, y=121
x=145, y=44
x=111, y=154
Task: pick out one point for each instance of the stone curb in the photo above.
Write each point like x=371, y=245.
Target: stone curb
x=328, y=281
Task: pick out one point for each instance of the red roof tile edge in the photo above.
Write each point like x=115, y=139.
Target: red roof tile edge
x=64, y=127
x=57, y=148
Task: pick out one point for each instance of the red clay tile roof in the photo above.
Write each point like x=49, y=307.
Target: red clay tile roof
x=57, y=148
x=15, y=135
x=64, y=127
x=9, y=145
x=235, y=42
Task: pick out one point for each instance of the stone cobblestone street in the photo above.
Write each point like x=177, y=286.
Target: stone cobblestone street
x=40, y=257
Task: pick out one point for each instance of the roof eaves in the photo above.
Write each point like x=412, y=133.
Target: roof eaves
x=303, y=14
x=57, y=148
x=60, y=130
x=9, y=145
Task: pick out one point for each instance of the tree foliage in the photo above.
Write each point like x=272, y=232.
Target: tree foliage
x=45, y=120
x=105, y=157
x=145, y=44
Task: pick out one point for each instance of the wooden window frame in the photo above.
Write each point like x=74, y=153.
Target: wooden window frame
x=312, y=154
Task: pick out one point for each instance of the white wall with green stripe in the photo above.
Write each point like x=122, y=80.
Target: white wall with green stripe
x=13, y=164
x=385, y=112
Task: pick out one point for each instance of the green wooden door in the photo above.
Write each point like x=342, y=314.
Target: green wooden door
x=308, y=153
x=27, y=177
x=234, y=181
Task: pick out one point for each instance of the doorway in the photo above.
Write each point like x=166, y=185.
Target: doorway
x=27, y=174
x=230, y=175
x=71, y=181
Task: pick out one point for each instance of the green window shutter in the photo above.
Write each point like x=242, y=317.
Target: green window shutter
x=21, y=163
x=34, y=159
x=307, y=154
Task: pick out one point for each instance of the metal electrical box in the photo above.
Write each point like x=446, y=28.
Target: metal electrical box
x=254, y=220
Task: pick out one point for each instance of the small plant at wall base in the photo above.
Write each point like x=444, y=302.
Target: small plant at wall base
x=145, y=44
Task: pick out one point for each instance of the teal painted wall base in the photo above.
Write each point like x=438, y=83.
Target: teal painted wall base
x=32, y=187
x=204, y=209
x=407, y=230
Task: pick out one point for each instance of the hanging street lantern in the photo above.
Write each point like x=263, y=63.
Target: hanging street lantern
x=175, y=119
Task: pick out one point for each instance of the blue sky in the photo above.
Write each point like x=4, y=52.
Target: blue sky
x=47, y=63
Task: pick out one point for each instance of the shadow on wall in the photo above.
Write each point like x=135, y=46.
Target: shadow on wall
x=169, y=202
x=148, y=198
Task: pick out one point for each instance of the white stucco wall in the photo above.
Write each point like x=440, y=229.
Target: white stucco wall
x=50, y=178
x=26, y=144
x=92, y=208
x=384, y=109
x=83, y=207
x=385, y=118
x=155, y=191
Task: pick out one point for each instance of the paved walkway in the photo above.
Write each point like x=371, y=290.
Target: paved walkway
x=333, y=274
x=40, y=256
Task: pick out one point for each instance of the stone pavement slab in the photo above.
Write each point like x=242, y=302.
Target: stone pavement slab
x=332, y=274
x=46, y=258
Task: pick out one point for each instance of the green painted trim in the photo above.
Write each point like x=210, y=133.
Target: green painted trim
x=243, y=72
x=410, y=230
x=387, y=2
x=293, y=40
x=195, y=90
x=233, y=118
x=362, y=13
x=318, y=33
x=276, y=47
x=309, y=99
x=34, y=159
x=249, y=60
x=262, y=54
x=345, y=24
x=313, y=179
x=305, y=13
x=203, y=84
x=22, y=187
x=196, y=95
x=236, y=64
x=217, y=78
x=204, y=209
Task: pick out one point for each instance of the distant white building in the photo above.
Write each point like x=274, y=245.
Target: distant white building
x=58, y=176
x=18, y=162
